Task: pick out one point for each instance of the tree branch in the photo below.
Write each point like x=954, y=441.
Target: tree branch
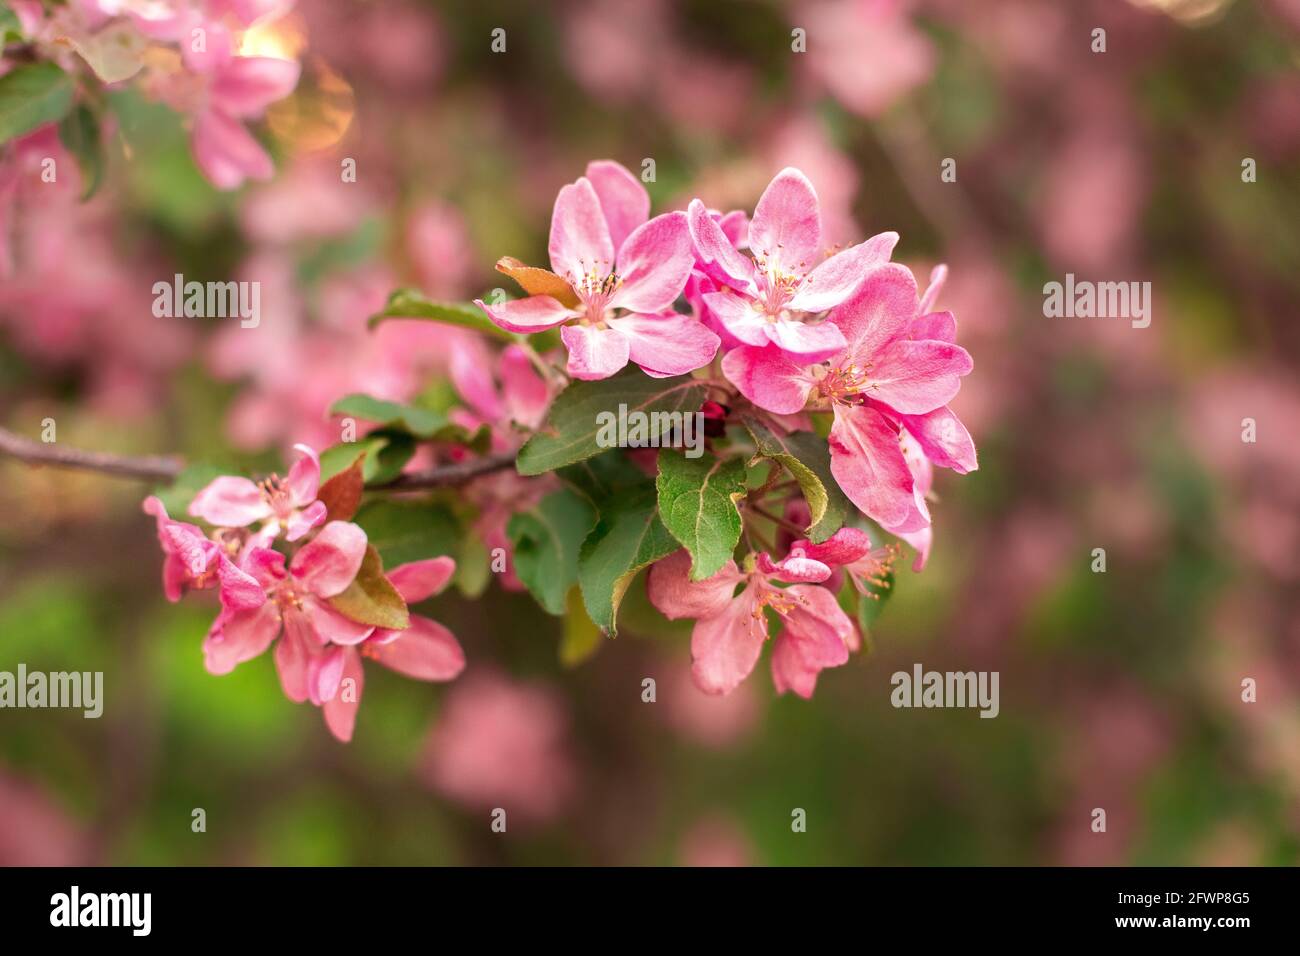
x=165, y=468
x=148, y=468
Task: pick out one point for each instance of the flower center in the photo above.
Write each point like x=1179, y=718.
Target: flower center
x=596, y=288
x=846, y=384
x=276, y=494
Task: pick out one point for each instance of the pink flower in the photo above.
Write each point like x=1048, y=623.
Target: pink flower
x=731, y=628
x=425, y=650
x=193, y=561
x=502, y=744
x=520, y=400
x=238, y=88
x=309, y=656
x=775, y=297
x=289, y=504
x=852, y=549
x=898, y=371
x=616, y=278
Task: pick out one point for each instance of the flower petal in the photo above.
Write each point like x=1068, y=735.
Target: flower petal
x=301, y=522
x=580, y=242
x=670, y=344
x=425, y=651
x=675, y=595
x=230, y=502
x=918, y=377
x=654, y=264
x=240, y=591
x=738, y=316
x=419, y=580
x=226, y=152
x=786, y=229
x=332, y=627
x=725, y=646
x=623, y=199
x=944, y=439
x=525, y=392
x=871, y=470
x=537, y=313
x=328, y=563
x=878, y=312
x=843, y=547
x=817, y=635
x=768, y=378
x=246, y=85
x=807, y=341
x=340, y=711
x=795, y=567
x=716, y=256
x=304, y=476
x=835, y=279
x=240, y=636
x=594, y=353
x=934, y=325
x=325, y=673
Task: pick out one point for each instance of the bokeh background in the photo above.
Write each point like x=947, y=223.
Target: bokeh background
x=1120, y=690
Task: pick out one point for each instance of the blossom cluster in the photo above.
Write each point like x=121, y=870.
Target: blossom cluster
x=189, y=54
x=796, y=330
x=268, y=597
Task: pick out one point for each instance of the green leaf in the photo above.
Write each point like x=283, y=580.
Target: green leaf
x=404, y=531
x=79, y=134
x=392, y=456
x=602, y=476
x=473, y=567
x=31, y=96
x=339, y=457
x=580, y=638
x=411, y=304
x=697, y=504
x=628, y=537
x=575, y=431
x=420, y=422
x=546, y=541
x=808, y=459
x=371, y=597
x=11, y=29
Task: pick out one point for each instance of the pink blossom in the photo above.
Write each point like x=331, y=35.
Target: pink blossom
x=194, y=562
x=852, y=549
x=35, y=830
x=866, y=52
x=309, y=656
x=775, y=297
x=897, y=372
x=502, y=744
x=623, y=272
x=237, y=88
x=516, y=397
x=425, y=650
x=232, y=501
x=731, y=628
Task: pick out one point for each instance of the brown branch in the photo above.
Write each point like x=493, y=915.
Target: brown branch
x=147, y=468
x=448, y=475
x=165, y=468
